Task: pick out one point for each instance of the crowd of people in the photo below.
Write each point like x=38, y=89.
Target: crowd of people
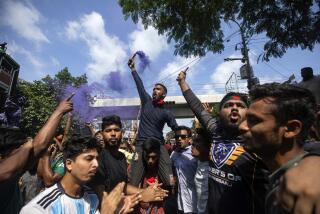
x=260, y=155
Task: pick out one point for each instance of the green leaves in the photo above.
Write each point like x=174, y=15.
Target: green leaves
x=195, y=25
x=43, y=96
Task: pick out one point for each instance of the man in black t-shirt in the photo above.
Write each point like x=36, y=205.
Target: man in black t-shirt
x=237, y=178
x=112, y=163
x=113, y=166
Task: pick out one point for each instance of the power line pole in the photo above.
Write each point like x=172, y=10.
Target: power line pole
x=246, y=71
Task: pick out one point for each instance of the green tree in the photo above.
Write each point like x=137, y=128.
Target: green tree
x=40, y=104
x=195, y=25
x=43, y=96
x=62, y=79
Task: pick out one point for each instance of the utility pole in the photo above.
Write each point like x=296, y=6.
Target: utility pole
x=246, y=71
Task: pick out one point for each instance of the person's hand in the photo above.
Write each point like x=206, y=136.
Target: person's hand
x=131, y=63
x=110, y=202
x=154, y=192
x=129, y=202
x=299, y=190
x=66, y=105
x=207, y=107
x=28, y=144
x=182, y=75
x=88, y=125
x=52, y=150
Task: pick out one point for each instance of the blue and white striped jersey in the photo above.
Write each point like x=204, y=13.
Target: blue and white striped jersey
x=54, y=200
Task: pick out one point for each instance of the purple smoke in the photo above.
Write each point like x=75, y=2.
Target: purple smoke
x=85, y=95
x=144, y=60
x=115, y=81
x=81, y=100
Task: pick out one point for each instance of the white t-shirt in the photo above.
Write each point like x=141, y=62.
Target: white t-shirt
x=54, y=200
x=185, y=165
x=201, y=181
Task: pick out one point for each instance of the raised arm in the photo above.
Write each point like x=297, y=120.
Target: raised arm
x=67, y=129
x=45, y=172
x=18, y=160
x=46, y=133
x=91, y=128
x=15, y=162
x=144, y=96
x=195, y=104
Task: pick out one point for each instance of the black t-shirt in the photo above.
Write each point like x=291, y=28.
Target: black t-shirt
x=111, y=171
x=238, y=180
x=10, y=196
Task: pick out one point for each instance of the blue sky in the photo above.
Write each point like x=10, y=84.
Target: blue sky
x=92, y=37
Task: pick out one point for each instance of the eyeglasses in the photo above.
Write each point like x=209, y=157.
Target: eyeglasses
x=183, y=137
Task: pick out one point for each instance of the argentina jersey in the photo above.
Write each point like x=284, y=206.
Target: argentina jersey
x=54, y=200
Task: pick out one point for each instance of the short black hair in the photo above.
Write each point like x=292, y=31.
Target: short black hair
x=307, y=69
x=10, y=139
x=111, y=120
x=78, y=145
x=163, y=86
x=151, y=145
x=243, y=97
x=201, y=137
x=292, y=102
x=59, y=131
x=179, y=128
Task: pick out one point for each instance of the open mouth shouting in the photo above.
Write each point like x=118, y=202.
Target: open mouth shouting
x=234, y=117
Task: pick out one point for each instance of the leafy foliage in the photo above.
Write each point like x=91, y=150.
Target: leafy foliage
x=195, y=25
x=43, y=96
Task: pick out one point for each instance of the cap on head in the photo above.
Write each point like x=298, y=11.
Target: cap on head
x=234, y=96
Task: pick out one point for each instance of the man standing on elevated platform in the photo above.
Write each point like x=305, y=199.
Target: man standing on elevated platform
x=152, y=120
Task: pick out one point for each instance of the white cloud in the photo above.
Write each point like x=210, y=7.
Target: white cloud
x=23, y=19
x=16, y=49
x=37, y=68
x=209, y=89
x=55, y=62
x=273, y=78
x=107, y=52
x=224, y=71
x=169, y=73
x=72, y=30
x=148, y=41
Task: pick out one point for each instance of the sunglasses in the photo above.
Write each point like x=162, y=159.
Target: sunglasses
x=183, y=137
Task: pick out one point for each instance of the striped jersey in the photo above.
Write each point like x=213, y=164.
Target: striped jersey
x=54, y=200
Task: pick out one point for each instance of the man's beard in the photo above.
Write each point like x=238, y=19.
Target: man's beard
x=113, y=142
x=229, y=126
